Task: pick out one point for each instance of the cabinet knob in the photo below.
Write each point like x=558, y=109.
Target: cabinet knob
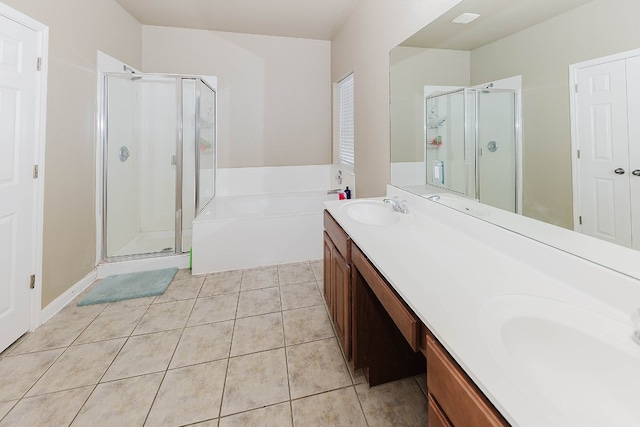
x=619, y=171
x=636, y=172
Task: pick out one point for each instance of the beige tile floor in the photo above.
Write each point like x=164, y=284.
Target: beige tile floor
x=240, y=348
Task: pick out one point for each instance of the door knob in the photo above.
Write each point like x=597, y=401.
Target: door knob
x=636, y=172
x=619, y=171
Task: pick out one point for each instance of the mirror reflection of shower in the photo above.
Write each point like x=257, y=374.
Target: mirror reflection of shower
x=471, y=143
x=158, y=161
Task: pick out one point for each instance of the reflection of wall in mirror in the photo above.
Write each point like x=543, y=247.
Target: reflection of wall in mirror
x=411, y=68
x=542, y=55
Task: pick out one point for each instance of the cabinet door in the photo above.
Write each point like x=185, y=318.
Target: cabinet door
x=327, y=281
x=457, y=396
x=342, y=301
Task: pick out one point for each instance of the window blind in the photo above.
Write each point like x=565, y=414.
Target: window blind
x=346, y=133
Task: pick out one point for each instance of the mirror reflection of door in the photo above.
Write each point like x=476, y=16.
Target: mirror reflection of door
x=606, y=110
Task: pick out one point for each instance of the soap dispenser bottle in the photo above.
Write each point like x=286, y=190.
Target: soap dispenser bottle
x=347, y=192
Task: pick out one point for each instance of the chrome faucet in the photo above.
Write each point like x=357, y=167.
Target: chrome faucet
x=398, y=206
x=434, y=198
x=335, y=191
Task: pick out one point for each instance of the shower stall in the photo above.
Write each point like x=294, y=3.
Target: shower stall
x=159, y=160
x=471, y=144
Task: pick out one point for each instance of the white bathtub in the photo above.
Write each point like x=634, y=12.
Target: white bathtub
x=237, y=232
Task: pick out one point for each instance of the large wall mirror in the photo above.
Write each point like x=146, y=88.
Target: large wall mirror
x=527, y=46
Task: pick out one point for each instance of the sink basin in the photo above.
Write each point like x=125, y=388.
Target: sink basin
x=469, y=206
x=585, y=366
x=371, y=212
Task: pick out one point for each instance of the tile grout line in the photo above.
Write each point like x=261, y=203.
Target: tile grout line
x=226, y=370
x=114, y=358
x=295, y=301
x=286, y=352
x=58, y=358
x=164, y=375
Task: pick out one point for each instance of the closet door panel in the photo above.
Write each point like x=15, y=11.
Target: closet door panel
x=633, y=95
x=602, y=135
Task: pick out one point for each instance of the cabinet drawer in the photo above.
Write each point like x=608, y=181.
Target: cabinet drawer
x=460, y=399
x=424, y=332
x=403, y=317
x=337, y=235
x=436, y=417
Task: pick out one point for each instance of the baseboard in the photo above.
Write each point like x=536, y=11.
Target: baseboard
x=59, y=303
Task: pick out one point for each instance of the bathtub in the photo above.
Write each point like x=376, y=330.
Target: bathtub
x=238, y=232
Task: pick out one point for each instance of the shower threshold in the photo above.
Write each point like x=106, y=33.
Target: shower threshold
x=154, y=243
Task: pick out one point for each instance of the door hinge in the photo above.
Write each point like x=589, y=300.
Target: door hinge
x=38, y=64
x=575, y=88
x=580, y=219
x=35, y=171
x=578, y=153
x=32, y=282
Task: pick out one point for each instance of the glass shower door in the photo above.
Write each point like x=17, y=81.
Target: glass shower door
x=140, y=165
x=445, y=141
x=497, y=148
x=206, y=144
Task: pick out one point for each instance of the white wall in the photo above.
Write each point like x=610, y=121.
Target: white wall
x=274, y=93
x=77, y=29
x=542, y=55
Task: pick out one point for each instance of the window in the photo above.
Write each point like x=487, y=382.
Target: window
x=345, y=121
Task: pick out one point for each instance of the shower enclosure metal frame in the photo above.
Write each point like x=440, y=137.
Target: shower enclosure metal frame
x=179, y=158
x=473, y=128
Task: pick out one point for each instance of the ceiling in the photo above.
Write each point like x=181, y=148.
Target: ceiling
x=310, y=19
x=498, y=19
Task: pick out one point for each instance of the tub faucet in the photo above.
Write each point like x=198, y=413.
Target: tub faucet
x=398, y=206
x=335, y=191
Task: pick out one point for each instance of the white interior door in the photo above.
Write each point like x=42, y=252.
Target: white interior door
x=603, y=141
x=633, y=102
x=18, y=55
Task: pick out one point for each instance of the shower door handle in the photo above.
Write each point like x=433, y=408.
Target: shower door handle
x=124, y=153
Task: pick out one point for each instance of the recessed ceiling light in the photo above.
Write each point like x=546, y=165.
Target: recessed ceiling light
x=465, y=18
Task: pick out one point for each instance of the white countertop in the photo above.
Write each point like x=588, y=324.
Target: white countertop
x=466, y=279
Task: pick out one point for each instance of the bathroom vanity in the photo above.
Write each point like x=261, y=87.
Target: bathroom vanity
x=514, y=332
x=381, y=335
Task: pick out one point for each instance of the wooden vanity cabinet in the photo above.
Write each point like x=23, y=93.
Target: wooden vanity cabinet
x=454, y=400
x=380, y=334
x=385, y=336
x=337, y=280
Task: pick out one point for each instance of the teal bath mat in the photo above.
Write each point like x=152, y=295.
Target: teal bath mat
x=129, y=286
